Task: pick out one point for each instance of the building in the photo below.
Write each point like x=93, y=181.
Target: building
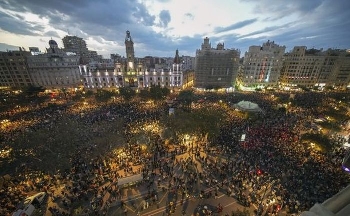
x=54, y=69
x=262, y=65
x=339, y=76
x=188, y=78
x=131, y=67
x=132, y=72
x=77, y=45
x=215, y=67
x=188, y=63
x=14, y=69
x=155, y=62
x=147, y=77
x=74, y=44
x=123, y=72
x=315, y=68
x=176, y=75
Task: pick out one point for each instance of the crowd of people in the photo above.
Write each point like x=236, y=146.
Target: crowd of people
x=271, y=168
x=88, y=172
x=273, y=152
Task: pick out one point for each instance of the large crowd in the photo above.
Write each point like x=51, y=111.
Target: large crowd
x=272, y=157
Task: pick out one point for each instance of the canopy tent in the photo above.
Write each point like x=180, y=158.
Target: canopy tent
x=247, y=106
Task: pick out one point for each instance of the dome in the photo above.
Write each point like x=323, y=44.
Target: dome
x=52, y=42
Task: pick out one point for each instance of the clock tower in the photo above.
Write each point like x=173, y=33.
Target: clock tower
x=130, y=53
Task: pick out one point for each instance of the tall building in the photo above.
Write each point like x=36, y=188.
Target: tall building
x=55, y=68
x=14, y=68
x=130, y=52
x=339, y=76
x=131, y=67
x=176, y=76
x=77, y=45
x=262, y=65
x=215, y=67
x=315, y=68
x=74, y=44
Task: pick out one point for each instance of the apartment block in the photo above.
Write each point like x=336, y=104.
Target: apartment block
x=215, y=67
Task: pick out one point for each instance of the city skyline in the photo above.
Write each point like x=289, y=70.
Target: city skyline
x=159, y=27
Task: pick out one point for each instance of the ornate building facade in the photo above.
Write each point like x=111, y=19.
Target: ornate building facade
x=55, y=68
x=132, y=72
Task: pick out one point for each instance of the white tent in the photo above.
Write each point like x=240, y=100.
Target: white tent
x=247, y=106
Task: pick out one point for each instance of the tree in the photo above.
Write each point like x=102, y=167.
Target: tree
x=64, y=91
x=89, y=93
x=127, y=93
x=158, y=93
x=186, y=98
x=144, y=94
x=322, y=140
x=204, y=121
x=103, y=96
x=33, y=90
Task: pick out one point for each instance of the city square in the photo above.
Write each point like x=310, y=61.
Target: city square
x=134, y=158
x=174, y=108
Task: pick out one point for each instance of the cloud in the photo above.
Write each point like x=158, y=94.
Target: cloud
x=51, y=34
x=165, y=18
x=235, y=26
x=4, y=46
x=159, y=27
x=279, y=9
x=189, y=16
x=15, y=24
x=267, y=30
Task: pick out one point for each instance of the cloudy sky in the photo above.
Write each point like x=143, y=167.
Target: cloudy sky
x=159, y=27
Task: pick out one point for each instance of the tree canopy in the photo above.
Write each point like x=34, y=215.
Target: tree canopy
x=127, y=93
x=186, y=98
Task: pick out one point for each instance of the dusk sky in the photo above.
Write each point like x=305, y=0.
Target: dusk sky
x=159, y=27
